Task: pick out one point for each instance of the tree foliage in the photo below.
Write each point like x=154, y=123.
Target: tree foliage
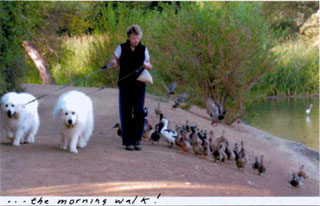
x=220, y=51
x=19, y=22
x=213, y=49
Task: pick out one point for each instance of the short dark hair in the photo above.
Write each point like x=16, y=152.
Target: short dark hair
x=134, y=29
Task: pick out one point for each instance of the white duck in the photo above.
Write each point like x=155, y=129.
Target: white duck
x=309, y=109
x=168, y=134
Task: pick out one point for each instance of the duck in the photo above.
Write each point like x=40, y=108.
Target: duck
x=221, y=111
x=187, y=126
x=193, y=134
x=196, y=147
x=206, y=148
x=261, y=168
x=168, y=134
x=301, y=173
x=228, y=152
x=183, y=143
x=155, y=136
x=309, y=109
x=219, y=154
x=200, y=134
x=236, y=151
x=157, y=110
x=161, y=116
x=147, y=129
x=241, y=162
x=172, y=87
x=212, y=143
x=222, y=138
x=117, y=125
x=256, y=164
x=242, y=152
x=178, y=102
x=295, y=181
x=212, y=110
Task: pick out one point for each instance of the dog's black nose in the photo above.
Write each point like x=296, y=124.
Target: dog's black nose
x=69, y=121
x=9, y=114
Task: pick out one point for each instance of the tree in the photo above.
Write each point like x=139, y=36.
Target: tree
x=219, y=49
x=18, y=22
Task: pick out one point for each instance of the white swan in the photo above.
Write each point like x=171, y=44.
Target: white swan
x=309, y=109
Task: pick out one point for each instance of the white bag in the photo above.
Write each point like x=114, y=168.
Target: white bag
x=145, y=77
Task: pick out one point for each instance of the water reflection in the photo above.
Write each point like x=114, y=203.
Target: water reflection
x=287, y=118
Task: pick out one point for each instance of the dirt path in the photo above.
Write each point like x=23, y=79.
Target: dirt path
x=104, y=168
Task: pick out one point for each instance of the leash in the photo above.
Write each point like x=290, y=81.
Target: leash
x=101, y=88
x=77, y=80
x=140, y=69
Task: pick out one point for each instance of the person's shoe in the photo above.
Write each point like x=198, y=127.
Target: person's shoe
x=130, y=147
x=138, y=147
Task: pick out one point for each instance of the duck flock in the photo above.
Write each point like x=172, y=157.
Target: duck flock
x=190, y=139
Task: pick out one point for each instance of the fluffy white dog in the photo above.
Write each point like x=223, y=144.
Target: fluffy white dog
x=20, y=117
x=74, y=113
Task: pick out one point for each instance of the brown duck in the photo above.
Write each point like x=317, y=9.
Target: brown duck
x=219, y=154
x=228, y=152
x=147, y=129
x=262, y=168
x=241, y=162
x=157, y=110
x=301, y=173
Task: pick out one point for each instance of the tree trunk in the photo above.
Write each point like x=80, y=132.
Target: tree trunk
x=39, y=62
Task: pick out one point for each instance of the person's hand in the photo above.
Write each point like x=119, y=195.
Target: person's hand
x=113, y=63
x=148, y=66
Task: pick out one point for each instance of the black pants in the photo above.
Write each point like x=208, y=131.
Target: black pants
x=131, y=107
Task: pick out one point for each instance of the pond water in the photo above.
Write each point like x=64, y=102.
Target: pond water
x=287, y=118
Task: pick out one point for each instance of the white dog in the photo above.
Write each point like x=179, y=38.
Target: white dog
x=74, y=112
x=20, y=117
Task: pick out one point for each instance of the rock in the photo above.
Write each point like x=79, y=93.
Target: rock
x=311, y=27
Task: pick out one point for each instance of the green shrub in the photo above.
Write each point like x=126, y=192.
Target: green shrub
x=218, y=49
x=18, y=22
x=296, y=70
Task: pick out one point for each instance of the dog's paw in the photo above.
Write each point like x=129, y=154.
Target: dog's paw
x=16, y=143
x=63, y=147
x=29, y=140
x=74, y=151
x=82, y=145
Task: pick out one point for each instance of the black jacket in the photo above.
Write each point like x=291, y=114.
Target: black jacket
x=130, y=61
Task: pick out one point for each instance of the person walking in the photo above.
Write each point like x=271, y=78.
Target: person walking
x=132, y=56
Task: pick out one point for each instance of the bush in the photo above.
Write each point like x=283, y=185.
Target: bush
x=220, y=50
x=296, y=70
x=213, y=49
x=18, y=22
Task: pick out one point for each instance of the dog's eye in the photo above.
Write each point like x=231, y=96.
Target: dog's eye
x=7, y=105
x=66, y=113
x=73, y=113
x=12, y=105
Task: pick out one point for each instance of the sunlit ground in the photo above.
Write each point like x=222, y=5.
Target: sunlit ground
x=133, y=188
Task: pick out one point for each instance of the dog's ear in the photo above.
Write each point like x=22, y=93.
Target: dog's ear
x=60, y=111
x=21, y=106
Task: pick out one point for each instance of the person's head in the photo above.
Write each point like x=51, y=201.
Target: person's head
x=134, y=34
